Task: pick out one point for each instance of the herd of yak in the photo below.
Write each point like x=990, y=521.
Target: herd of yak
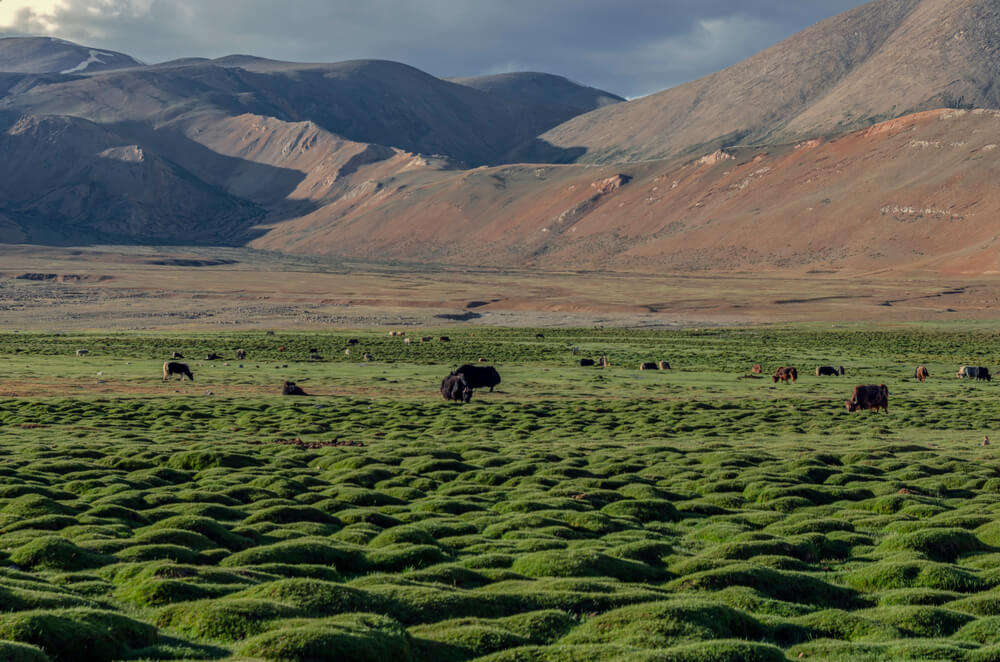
x=460, y=384
x=871, y=397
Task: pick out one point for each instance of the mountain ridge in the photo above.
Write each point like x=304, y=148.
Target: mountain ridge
x=805, y=157
x=885, y=59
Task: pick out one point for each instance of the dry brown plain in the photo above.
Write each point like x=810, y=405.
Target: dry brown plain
x=216, y=289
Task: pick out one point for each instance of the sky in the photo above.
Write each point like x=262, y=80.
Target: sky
x=629, y=47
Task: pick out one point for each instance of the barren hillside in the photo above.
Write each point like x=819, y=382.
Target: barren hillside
x=912, y=193
x=44, y=55
x=66, y=181
x=885, y=59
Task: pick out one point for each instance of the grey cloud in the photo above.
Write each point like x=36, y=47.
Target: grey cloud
x=630, y=47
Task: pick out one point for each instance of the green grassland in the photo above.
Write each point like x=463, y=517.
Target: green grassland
x=574, y=514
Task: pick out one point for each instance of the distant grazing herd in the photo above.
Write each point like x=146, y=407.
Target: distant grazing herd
x=461, y=383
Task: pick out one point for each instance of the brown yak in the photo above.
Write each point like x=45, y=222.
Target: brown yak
x=785, y=375
x=869, y=397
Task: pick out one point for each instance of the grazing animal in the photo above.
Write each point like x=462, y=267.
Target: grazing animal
x=281, y=349
x=290, y=388
x=973, y=372
x=313, y=350
x=757, y=369
x=921, y=373
x=367, y=357
x=455, y=388
x=785, y=375
x=587, y=363
x=406, y=341
x=482, y=360
x=269, y=333
x=352, y=341
x=664, y=365
x=828, y=371
x=241, y=354
x=347, y=352
x=212, y=357
x=176, y=355
x=171, y=368
x=869, y=397
x=315, y=357
x=426, y=338
x=605, y=362
x=445, y=339
x=479, y=376
x=81, y=352
x=649, y=366
x=540, y=336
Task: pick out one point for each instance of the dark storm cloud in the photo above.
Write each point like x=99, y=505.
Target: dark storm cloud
x=631, y=47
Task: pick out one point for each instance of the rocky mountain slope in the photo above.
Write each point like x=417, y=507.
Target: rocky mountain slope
x=839, y=150
x=914, y=193
x=44, y=55
x=65, y=180
x=882, y=60
x=239, y=137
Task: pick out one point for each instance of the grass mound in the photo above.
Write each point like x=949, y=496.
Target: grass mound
x=14, y=652
x=346, y=559
x=349, y=638
x=584, y=563
x=662, y=624
x=313, y=596
x=77, y=634
x=224, y=620
x=56, y=553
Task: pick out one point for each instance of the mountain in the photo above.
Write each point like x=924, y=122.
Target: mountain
x=838, y=150
x=882, y=60
x=371, y=101
x=140, y=153
x=45, y=55
x=541, y=100
x=912, y=194
x=65, y=180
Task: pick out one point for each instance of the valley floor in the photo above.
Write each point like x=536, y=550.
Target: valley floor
x=219, y=289
x=576, y=513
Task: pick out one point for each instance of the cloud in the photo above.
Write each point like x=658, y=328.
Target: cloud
x=631, y=47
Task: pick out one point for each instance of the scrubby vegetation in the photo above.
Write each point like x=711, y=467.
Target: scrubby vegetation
x=576, y=514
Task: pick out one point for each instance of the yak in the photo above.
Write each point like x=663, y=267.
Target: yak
x=869, y=397
x=785, y=375
x=290, y=388
x=171, y=368
x=479, y=376
x=455, y=388
x=973, y=372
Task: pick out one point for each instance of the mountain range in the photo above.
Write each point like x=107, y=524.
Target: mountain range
x=867, y=141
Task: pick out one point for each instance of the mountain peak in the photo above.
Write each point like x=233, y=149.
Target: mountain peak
x=50, y=55
x=881, y=60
